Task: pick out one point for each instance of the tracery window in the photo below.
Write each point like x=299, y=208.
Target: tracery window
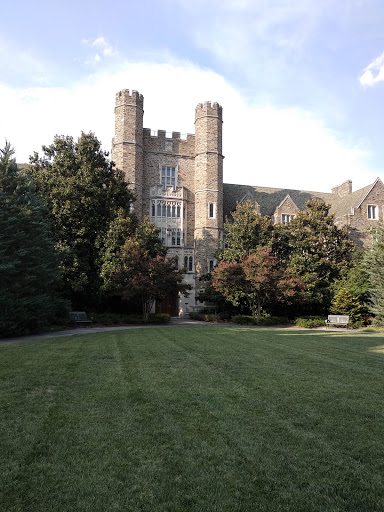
x=164, y=208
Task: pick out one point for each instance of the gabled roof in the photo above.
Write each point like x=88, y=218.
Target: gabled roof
x=268, y=198
x=377, y=180
x=287, y=198
x=271, y=198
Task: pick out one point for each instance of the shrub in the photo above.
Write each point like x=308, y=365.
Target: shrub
x=265, y=320
x=310, y=322
x=120, y=319
x=274, y=320
x=244, y=320
x=197, y=316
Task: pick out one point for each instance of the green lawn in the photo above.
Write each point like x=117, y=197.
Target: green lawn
x=199, y=418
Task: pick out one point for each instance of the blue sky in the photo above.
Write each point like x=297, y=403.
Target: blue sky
x=301, y=82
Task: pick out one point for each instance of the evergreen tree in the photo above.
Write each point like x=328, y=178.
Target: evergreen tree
x=29, y=275
x=319, y=252
x=373, y=264
x=345, y=304
x=83, y=192
x=245, y=233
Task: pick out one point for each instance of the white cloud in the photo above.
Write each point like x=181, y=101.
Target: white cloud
x=373, y=73
x=263, y=145
x=104, y=50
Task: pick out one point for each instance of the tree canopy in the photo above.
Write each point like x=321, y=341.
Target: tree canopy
x=256, y=278
x=319, y=252
x=373, y=264
x=29, y=274
x=83, y=192
x=140, y=270
x=245, y=232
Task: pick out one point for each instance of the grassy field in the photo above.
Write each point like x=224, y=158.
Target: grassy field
x=201, y=418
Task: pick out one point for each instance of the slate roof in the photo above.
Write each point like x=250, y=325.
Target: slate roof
x=270, y=198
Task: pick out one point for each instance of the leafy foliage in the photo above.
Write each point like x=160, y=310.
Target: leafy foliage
x=373, y=265
x=319, y=252
x=245, y=233
x=310, y=322
x=138, y=273
x=256, y=279
x=29, y=275
x=345, y=304
x=84, y=193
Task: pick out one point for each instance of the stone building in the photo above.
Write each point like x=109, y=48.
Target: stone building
x=178, y=183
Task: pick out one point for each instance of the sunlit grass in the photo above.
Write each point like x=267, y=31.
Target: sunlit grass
x=204, y=418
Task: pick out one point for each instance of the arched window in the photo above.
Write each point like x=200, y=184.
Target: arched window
x=186, y=261
x=190, y=264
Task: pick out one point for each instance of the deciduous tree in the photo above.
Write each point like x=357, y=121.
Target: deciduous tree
x=136, y=273
x=256, y=279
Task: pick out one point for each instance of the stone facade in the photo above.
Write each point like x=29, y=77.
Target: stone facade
x=178, y=183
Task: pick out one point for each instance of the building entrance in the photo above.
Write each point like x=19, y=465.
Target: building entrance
x=168, y=305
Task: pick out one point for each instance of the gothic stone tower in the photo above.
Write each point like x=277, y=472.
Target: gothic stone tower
x=178, y=183
x=127, y=145
x=208, y=184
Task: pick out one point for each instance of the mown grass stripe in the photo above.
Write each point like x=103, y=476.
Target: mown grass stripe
x=193, y=418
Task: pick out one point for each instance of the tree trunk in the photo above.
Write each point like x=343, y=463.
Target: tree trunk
x=258, y=310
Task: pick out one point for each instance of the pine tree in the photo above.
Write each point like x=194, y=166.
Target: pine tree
x=29, y=275
x=346, y=304
x=373, y=264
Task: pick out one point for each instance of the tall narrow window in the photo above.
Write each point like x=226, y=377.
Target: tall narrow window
x=173, y=236
x=153, y=208
x=185, y=261
x=190, y=264
x=211, y=210
x=178, y=237
x=211, y=265
x=159, y=209
x=372, y=212
x=286, y=218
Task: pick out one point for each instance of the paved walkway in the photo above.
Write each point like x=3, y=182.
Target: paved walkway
x=92, y=330
x=175, y=321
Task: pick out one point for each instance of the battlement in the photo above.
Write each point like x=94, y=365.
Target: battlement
x=208, y=109
x=125, y=97
x=163, y=134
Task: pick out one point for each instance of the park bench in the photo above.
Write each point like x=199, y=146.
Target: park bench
x=337, y=320
x=79, y=318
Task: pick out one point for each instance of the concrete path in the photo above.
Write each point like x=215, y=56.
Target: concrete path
x=92, y=330
x=175, y=321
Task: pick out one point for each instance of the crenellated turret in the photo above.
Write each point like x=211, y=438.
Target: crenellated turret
x=208, y=183
x=127, y=145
